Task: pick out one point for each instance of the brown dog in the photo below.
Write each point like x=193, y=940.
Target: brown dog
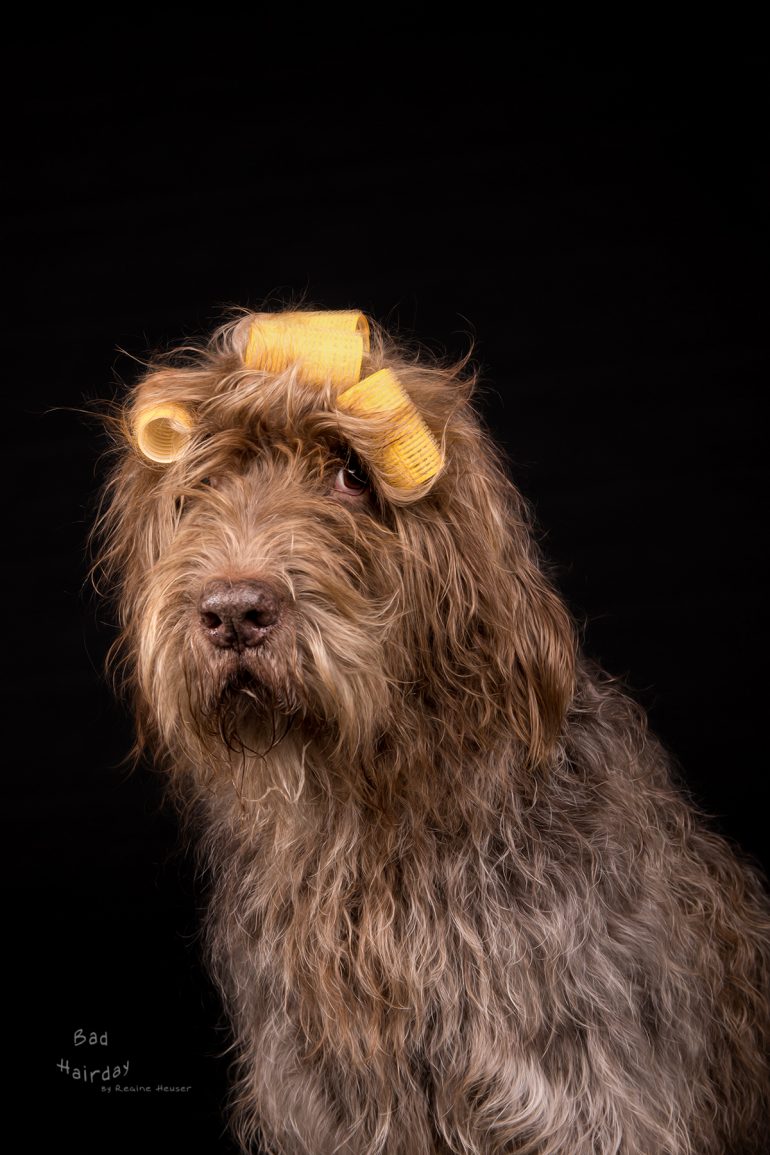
x=458, y=903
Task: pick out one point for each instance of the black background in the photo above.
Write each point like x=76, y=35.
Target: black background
x=598, y=227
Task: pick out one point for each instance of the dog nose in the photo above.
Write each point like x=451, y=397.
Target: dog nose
x=236, y=615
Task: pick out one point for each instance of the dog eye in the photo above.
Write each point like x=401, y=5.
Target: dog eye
x=351, y=478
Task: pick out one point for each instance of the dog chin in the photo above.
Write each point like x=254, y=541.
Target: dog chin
x=246, y=699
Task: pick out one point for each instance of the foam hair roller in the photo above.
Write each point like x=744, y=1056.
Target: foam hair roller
x=329, y=346
x=326, y=345
x=413, y=456
x=162, y=431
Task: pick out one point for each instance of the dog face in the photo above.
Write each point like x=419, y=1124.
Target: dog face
x=273, y=580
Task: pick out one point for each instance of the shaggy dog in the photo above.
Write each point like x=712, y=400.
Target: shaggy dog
x=458, y=901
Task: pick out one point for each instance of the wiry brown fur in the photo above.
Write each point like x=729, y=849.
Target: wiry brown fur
x=458, y=902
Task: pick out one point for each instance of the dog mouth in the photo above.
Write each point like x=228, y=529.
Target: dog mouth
x=242, y=698
x=240, y=679
x=256, y=678
x=245, y=718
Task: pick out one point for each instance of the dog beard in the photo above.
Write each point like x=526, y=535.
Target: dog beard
x=244, y=705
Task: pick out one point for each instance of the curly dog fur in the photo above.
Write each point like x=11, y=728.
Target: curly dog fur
x=459, y=901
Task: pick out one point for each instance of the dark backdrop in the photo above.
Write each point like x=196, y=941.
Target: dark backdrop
x=599, y=229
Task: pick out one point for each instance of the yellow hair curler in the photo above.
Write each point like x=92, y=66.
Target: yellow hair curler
x=413, y=456
x=326, y=345
x=162, y=431
x=329, y=346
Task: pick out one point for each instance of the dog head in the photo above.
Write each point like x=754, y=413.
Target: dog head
x=277, y=573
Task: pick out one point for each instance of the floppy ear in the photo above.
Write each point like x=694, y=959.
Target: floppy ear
x=498, y=644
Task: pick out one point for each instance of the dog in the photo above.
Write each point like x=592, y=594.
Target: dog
x=459, y=901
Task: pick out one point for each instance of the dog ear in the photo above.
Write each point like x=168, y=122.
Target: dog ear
x=544, y=653
x=141, y=498
x=499, y=645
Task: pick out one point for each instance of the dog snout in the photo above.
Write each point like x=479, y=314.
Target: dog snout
x=238, y=615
